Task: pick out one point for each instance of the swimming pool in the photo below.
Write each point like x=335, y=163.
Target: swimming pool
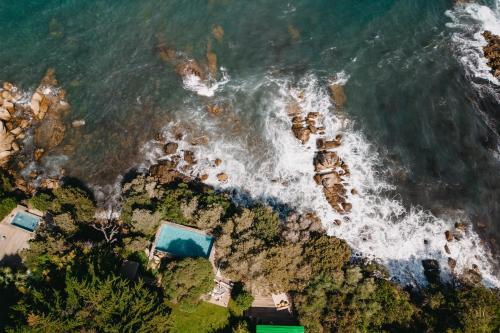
x=182, y=242
x=25, y=221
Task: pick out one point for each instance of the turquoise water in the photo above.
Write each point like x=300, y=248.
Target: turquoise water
x=25, y=221
x=420, y=125
x=183, y=243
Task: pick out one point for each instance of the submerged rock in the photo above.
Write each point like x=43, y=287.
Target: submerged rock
x=338, y=95
x=218, y=32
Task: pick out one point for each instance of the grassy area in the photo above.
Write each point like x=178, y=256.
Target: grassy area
x=205, y=318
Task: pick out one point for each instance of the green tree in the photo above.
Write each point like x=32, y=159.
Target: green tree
x=6, y=206
x=74, y=201
x=41, y=201
x=241, y=299
x=109, y=304
x=478, y=309
x=326, y=254
x=266, y=223
x=186, y=280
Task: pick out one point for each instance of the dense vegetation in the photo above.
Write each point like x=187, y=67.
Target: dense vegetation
x=71, y=276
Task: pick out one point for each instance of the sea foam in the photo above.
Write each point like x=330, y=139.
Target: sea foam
x=275, y=167
x=467, y=23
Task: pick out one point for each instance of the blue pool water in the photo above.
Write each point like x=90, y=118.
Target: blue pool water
x=183, y=243
x=25, y=221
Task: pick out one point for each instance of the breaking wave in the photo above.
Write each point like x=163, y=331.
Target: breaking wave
x=468, y=21
x=266, y=162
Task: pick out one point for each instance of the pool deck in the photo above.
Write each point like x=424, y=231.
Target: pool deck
x=14, y=239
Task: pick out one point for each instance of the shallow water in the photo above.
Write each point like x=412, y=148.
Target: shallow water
x=420, y=123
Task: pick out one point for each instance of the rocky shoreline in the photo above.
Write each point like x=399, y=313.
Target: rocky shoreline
x=37, y=116
x=331, y=172
x=492, y=52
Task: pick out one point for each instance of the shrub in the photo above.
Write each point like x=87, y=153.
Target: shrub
x=241, y=299
x=41, y=201
x=6, y=206
x=326, y=254
x=74, y=201
x=184, y=281
x=66, y=223
x=132, y=203
x=266, y=223
x=171, y=207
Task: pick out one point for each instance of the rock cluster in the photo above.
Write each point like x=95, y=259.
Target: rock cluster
x=178, y=164
x=330, y=170
x=11, y=127
x=40, y=113
x=186, y=66
x=303, y=127
x=492, y=52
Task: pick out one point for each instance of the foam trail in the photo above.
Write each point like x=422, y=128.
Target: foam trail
x=276, y=168
x=205, y=88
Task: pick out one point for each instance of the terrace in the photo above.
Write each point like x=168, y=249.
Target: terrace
x=16, y=229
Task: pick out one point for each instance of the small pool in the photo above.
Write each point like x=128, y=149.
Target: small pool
x=25, y=221
x=181, y=242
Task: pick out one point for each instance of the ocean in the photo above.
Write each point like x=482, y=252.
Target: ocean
x=420, y=125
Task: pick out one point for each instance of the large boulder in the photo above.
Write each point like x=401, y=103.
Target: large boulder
x=170, y=148
x=326, y=160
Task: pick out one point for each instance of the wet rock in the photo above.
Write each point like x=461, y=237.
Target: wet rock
x=5, y=115
x=302, y=133
x=293, y=109
x=447, y=249
x=218, y=162
x=190, y=68
x=294, y=33
x=347, y=207
x=8, y=86
x=452, y=263
x=491, y=52
x=325, y=144
x=50, y=133
x=165, y=173
x=222, y=177
x=460, y=226
x=6, y=95
x=200, y=141
x=16, y=131
x=204, y=177
x=214, y=109
x=211, y=61
x=170, y=148
x=325, y=160
x=448, y=235
x=431, y=270
x=218, y=32
x=330, y=179
x=38, y=153
x=167, y=54
x=189, y=157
